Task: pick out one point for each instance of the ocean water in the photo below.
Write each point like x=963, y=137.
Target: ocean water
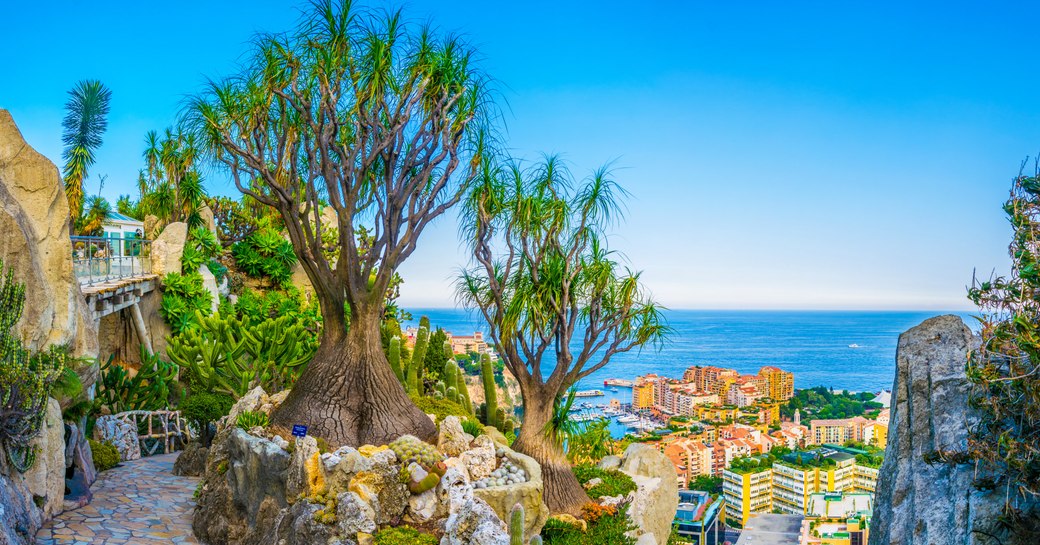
x=814, y=345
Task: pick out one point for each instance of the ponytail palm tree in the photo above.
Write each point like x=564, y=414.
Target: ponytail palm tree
x=558, y=304
x=85, y=122
x=383, y=122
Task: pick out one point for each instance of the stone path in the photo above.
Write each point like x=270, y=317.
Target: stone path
x=140, y=502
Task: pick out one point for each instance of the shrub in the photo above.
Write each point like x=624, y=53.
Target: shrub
x=614, y=481
x=201, y=246
x=612, y=529
x=252, y=419
x=183, y=300
x=105, y=455
x=265, y=254
x=404, y=535
x=202, y=409
x=148, y=390
x=439, y=407
x=472, y=427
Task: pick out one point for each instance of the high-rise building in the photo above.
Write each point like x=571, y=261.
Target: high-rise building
x=747, y=491
x=780, y=383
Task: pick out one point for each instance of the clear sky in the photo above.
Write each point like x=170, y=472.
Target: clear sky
x=782, y=155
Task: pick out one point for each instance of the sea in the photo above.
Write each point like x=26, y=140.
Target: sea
x=843, y=350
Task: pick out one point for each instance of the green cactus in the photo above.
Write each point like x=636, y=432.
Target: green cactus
x=453, y=394
x=509, y=426
x=451, y=369
x=536, y=540
x=415, y=365
x=150, y=389
x=440, y=388
x=500, y=419
x=395, y=358
x=230, y=356
x=487, y=372
x=464, y=392
x=516, y=525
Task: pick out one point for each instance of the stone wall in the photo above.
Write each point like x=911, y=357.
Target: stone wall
x=917, y=503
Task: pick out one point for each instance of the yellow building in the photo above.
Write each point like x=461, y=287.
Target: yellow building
x=717, y=413
x=747, y=492
x=837, y=519
x=643, y=396
x=780, y=383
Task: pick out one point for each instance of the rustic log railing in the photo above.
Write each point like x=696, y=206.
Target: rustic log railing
x=157, y=429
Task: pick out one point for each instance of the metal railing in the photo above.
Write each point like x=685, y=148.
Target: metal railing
x=102, y=259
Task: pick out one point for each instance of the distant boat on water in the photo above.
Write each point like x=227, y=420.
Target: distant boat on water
x=618, y=382
x=628, y=418
x=588, y=393
x=854, y=345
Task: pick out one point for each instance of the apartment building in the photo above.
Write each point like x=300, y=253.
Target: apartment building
x=746, y=492
x=691, y=458
x=843, y=430
x=780, y=383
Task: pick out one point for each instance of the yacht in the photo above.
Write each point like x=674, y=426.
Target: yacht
x=854, y=345
x=628, y=418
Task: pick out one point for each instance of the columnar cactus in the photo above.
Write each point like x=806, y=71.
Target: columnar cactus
x=439, y=387
x=453, y=394
x=464, y=391
x=516, y=525
x=490, y=392
x=415, y=366
x=395, y=358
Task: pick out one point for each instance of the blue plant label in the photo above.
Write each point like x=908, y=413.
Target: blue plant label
x=299, y=430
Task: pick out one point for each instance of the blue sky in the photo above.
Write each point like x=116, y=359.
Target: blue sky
x=804, y=155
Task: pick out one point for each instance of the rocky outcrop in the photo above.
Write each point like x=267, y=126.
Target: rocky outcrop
x=656, y=497
x=168, y=247
x=192, y=460
x=34, y=217
x=917, y=503
x=37, y=250
x=265, y=487
x=121, y=434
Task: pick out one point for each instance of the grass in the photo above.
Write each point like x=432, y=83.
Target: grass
x=614, y=482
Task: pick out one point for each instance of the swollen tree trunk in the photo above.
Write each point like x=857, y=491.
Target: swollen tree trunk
x=349, y=395
x=562, y=491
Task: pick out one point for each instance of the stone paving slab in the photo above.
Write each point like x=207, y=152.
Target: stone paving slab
x=138, y=503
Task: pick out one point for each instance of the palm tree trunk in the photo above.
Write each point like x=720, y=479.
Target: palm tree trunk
x=349, y=395
x=562, y=492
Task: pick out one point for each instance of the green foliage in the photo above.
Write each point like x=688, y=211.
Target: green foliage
x=184, y=299
x=203, y=408
x=236, y=220
x=170, y=186
x=258, y=306
x=516, y=525
x=612, y=529
x=105, y=455
x=265, y=253
x=403, y=535
x=414, y=375
x=823, y=403
x=200, y=247
x=472, y=427
x=487, y=374
x=439, y=407
x=588, y=441
x=150, y=389
x=614, y=481
x=230, y=356
x=26, y=379
x=436, y=358
x=711, y=485
x=1004, y=373
x=86, y=119
x=248, y=420
x=394, y=356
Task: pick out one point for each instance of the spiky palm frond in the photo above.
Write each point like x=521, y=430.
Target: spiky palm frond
x=86, y=119
x=96, y=211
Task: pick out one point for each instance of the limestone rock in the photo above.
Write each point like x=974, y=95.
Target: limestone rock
x=382, y=488
x=917, y=503
x=80, y=471
x=19, y=516
x=152, y=226
x=46, y=478
x=252, y=401
x=528, y=494
x=122, y=435
x=354, y=514
x=168, y=247
x=192, y=460
x=424, y=507
x=479, y=460
x=299, y=478
x=34, y=217
x=657, y=496
x=256, y=470
x=610, y=462
x=209, y=283
x=452, y=440
x=206, y=214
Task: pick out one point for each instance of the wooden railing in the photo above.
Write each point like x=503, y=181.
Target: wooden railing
x=157, y=429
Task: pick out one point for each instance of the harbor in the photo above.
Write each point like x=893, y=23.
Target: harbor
x=615, y=406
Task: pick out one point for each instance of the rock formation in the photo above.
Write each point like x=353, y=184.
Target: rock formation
x=36, y=248
x=657, y=494
x=168, y=247
x=917, y=503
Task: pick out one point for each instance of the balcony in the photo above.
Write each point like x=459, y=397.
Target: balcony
x=98, y=260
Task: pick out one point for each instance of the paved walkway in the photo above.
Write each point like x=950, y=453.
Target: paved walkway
x=140, y=502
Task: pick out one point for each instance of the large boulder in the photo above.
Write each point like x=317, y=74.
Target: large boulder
x=168, y=247
x=46, y=478
x=656, y=498
x=930, y=504
x=528, y=494
x=121, y=433
x=34, y=217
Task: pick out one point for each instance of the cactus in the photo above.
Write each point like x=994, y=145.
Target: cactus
x=415, y=366
x=440, y=388
x=453, y=394
x=490, y=392
x=395, y=358
x=536, y=540
x=516, y=525
x=500, y=419
x=451, y=369
x=464, y=392
x=508, y=426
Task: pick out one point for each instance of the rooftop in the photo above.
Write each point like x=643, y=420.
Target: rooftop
x=769, y=529
x=839, y=506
